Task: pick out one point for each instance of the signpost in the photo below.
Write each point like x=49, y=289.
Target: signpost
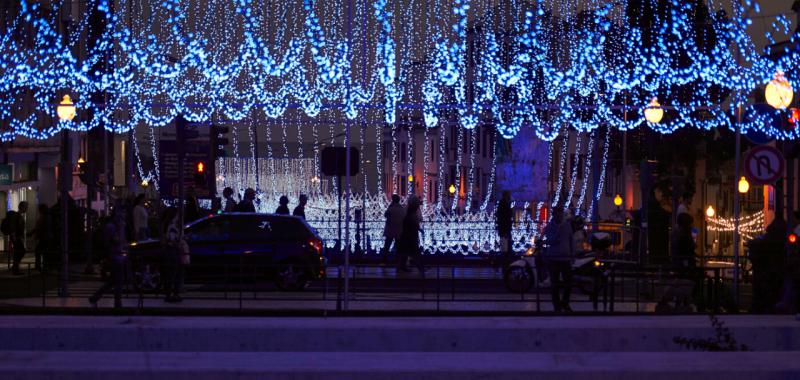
x=764, y=165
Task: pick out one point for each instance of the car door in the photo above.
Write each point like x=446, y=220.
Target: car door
x=251, y=243
x=207, y=240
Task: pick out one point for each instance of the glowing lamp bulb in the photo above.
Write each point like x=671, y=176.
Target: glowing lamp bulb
x=792, y=238
x=66, y=109
x=201, y=167
x=410, y=178
x=618, y=200
x=654, y=113
x=710, y=212
x=779, y=92
x=452, y=189
x=145, y=183
x=744, y=186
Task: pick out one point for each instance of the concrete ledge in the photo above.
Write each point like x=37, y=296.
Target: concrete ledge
x=480, y=334
x=399, y=365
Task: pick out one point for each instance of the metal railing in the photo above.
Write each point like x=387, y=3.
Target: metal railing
x=444, y=287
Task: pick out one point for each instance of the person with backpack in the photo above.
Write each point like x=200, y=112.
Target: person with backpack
x=13, y=226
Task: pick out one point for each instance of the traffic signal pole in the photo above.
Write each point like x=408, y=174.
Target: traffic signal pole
x=180, y=129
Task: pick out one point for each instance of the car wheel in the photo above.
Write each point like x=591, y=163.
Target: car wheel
x=147, y=278
x=518, y=279
x=292, y=276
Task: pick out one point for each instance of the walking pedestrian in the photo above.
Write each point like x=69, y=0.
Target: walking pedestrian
x=174, y=248
x=14, y=228
x=300, y=210
x=283, y=209
x=43, y=231
x=682, y=243
x=140, y=218
x=394, y=226
x=230, y=203
x=409, y=237
x=247, y=205
x=115, y=243
x=503, y=223
x=559, y=255
x=191, y=209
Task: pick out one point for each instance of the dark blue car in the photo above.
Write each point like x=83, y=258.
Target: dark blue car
x=235, y=245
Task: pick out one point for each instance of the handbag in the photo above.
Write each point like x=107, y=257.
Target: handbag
x=183, y=250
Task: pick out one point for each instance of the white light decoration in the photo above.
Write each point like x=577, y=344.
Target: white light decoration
x=710, y=212
x=543, y=66
x=779, y=92
x=749, y=226
x=653, y=112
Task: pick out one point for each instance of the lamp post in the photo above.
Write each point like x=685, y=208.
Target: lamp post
x=66, y=112
x=653, y=113
x=778, y=92
x=618, y=201
x=452, y=190
x=710, y=212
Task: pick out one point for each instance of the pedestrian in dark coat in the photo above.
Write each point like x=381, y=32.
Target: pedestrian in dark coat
x=503, y=223
x=116, y=244
x=409, y=238
x=300, y=210
x=283, y=209
x=17, y=223
x=560, y=252
x=44, y=234
x=247, y=204
x=395, y=214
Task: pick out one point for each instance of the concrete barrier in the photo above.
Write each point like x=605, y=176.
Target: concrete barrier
x=484, y=334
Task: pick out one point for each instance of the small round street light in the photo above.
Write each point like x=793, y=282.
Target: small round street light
x=145, y=183
x=410, y=178
x=779, y=92
x=744, y=186
x=618, y=200
x=452, y=189
x=710, y=211
x=653, y=112
x=66, y=109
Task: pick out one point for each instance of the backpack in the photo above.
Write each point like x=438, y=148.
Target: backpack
x=7, y=226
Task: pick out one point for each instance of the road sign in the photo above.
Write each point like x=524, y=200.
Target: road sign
x=764, y=165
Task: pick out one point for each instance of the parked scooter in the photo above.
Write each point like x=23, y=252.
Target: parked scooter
x=590, y=272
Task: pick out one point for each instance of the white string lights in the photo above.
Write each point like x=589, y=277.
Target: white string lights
x=749, y=225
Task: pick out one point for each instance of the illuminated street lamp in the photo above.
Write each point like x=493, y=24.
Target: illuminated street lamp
x=710, y=211
x=145, y=183
x=66, y=109
x=744, y=186
x=618, y=200
x=410, y=178
x=653, y=112
x=452, y=189
x=779, y=92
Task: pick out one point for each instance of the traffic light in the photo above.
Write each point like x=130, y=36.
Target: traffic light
x=200, y=175
x=219, y=140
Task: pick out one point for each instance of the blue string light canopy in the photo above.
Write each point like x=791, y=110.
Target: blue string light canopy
x=514, y=65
